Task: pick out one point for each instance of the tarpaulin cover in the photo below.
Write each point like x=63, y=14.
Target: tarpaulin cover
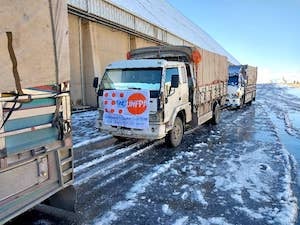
x=40, y=42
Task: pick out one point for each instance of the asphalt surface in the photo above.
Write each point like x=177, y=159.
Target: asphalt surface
x=241, y=171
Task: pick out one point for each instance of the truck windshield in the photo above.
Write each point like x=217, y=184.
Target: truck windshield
x=233, y=80
x=139, y=78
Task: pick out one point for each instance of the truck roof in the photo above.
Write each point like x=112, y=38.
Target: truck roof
x=175, y=53
x=141, y=63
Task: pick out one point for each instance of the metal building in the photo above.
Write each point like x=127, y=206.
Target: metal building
x=102, y=31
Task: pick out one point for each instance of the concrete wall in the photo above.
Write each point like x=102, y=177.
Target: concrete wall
x=92, y=47
x=76, y=93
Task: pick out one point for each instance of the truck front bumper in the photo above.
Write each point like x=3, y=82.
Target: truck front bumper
x=233, y=102
x=153, y=132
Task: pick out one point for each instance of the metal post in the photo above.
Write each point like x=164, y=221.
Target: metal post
x=2, y=141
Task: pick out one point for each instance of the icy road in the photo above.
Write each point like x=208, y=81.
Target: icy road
x=242, y=171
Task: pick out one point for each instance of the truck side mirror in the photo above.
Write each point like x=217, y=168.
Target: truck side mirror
x=95, y=82
x=175, y=81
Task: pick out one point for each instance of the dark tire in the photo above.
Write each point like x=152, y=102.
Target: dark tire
x=174, y=137
x=120, y=138
x=242, y=102
x=216, y=114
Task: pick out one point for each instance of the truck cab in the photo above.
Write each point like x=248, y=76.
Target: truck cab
x=241, y=85
x=236, y=86
x=164, y=85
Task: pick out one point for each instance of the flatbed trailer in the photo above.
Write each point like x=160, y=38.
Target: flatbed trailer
x=36, y=155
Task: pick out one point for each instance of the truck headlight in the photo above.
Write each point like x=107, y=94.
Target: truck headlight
x=156, y=117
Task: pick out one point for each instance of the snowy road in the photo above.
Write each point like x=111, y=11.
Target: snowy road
x=242, y=171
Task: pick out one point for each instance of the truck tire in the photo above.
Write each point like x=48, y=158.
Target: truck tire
x=119, y=138
x=216, y=114
x=242, y=102
x=174, y=137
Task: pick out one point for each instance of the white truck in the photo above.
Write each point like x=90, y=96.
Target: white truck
x=160, y=90
x=241, y=85
x=36, y=156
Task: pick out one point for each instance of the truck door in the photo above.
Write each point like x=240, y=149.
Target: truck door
x=174, y=96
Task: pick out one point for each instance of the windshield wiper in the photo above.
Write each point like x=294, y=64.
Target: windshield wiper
x=134, y=88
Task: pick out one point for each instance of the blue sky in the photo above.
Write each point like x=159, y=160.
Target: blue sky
x=262, y=33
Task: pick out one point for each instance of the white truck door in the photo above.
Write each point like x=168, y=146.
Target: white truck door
x=173, y=96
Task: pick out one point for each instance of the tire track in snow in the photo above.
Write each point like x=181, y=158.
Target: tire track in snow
x=117, y=176
x=138, y=188
x=106, y=157
x=114, y=165
x=100, y=152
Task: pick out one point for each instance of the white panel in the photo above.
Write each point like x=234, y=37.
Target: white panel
x=173, y=40
x=160, y=34
x=144, y=27
x=81, y=4
x=110, y=12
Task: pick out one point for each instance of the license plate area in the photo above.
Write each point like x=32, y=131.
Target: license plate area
x=20, y=178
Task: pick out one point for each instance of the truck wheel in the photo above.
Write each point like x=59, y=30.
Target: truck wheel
x=242, y=101
x=174, y=137
x=119, y=138
x=216, y=114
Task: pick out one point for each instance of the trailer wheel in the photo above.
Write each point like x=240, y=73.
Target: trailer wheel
x=216, y=114
x=174, y=137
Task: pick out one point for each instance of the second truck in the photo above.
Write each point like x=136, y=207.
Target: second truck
x=241, y=85
x=160, y=90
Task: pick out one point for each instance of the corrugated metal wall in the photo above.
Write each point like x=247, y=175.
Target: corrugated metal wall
x=81, y=4
x=113, y=13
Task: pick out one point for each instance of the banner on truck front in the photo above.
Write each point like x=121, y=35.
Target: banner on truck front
x=126, y=108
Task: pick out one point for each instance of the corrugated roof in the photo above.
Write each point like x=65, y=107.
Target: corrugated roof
x=162, y=14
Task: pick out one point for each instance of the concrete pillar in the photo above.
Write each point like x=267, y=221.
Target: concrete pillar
x=91, y=63
x=132, y=42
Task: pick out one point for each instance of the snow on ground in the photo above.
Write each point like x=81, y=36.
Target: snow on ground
x=239, y=172
x=84, y=129
x=131, y=197
x=85, y=177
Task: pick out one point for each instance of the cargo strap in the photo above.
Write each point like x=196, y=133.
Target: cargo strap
x=58, y=120
x=14, y=62
x=17, y=78
x=63, y=126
